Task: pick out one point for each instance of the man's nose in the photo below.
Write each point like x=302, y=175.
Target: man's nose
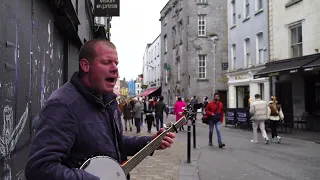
x=114, y=68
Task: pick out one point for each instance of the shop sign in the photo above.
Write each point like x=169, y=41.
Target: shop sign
x=240, y=77
x=242, y=114
x=106, y=8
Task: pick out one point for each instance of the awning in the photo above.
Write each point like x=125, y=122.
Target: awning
x=148, y=91
x=286, y=66
x=314, y=65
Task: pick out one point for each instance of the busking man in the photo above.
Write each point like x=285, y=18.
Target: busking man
x=215, y=110
x=82, y=119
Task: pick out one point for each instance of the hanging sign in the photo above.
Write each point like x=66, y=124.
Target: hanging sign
x=106, y=8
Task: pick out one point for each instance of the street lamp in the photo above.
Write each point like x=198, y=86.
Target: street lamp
x=214, y=38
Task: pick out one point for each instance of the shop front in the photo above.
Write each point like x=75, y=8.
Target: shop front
x=296, y=84
x=243, y=87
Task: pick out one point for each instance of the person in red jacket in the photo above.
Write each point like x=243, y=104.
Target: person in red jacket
x=215, y=110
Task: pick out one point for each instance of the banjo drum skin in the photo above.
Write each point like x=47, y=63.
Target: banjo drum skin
x=104, y=167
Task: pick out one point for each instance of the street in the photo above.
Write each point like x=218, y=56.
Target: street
x=293, y=159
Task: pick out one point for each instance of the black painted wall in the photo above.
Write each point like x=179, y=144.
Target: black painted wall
x=37, y=57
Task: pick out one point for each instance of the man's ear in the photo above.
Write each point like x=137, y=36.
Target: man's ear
x=85, y=65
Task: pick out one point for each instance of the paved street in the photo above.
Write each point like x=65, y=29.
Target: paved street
x=240, y=159
x=293, y=159
x=163, y=165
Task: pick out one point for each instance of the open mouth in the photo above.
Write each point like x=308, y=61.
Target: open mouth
x=110, y=80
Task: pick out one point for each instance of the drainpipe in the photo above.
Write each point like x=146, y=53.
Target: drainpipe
x=269, y=59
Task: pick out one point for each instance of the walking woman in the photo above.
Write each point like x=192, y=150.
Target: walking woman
x=126, y=114
x=178, y=110
x=275, y=115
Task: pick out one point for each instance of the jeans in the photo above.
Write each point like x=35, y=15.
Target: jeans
x=218, y=126
x=137, y=123
x=274, y=127
x=157, y=122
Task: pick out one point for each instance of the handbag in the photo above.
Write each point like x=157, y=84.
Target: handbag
x=206, y=118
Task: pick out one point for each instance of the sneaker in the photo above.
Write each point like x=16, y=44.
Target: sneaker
x=210, y=144
x=267, y=141
x=254, y=141
x=221, y=145
x=278, y=139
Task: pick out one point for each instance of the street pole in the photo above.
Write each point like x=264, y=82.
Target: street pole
x=194, y=133
x=214, y=38
x=189, y=142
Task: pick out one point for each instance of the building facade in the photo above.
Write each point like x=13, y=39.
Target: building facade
x=145, y=68
x=40, y=42
x=248, y=35
x=138, y=85
x=131, y=88
x=124, y=88
x=295, y=59
x=117, y=88
x=190, y=64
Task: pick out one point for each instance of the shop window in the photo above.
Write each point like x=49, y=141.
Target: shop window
x=243, y=95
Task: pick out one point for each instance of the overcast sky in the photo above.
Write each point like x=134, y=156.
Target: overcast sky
x=137, y=25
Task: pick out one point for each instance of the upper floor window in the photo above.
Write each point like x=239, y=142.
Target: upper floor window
x=202, y=66
x=202, y=25
x=233, y=12
x=233, y=57
x=260, y=48
x=247, y=52
x=165, y=43
x=202, y=1
x=246, y=8
x=259, y=5
x=296, y=41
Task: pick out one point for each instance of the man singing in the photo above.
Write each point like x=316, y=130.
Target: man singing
x=82, y=119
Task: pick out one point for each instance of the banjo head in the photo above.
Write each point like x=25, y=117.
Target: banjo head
x=104, y=167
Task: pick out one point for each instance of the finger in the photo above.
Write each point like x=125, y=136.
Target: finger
x=166, y=144
x=171, y=135
x=169, y=140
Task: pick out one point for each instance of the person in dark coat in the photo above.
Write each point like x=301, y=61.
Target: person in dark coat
x=82, y=119
x=149, y=119
x=127, y=115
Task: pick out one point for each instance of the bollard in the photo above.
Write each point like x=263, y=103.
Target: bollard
x=194, y=133
x=189, y=144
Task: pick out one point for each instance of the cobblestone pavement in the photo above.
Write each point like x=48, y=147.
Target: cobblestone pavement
x=164, y=164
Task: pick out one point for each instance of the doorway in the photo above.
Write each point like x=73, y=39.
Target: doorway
x=284, y=97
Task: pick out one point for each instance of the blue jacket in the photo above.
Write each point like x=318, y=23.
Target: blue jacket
x=70, y=130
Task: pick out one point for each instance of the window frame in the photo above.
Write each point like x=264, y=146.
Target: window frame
x=202, y=58
x=202, y=32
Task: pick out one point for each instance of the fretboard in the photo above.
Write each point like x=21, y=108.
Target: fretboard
x=150, y=147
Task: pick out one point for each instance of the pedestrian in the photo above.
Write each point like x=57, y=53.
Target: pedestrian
x=127, y=114
x=275, y=115
x=159, y=109
x=179, y=109
x=193, y=102
x=204, y=105
x=258, y=111
x=81, y=119
x=216, y=113
x=149, y=119
x=137, y=109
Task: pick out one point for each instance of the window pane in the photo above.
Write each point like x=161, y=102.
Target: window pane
x=299, y=29
x=294, y=39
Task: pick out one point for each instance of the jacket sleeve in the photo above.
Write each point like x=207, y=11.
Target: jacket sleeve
x=134, y=144
x=54, y=137
x=209, y=109
x=268, y=112
x=281, y=115
x=252, y=109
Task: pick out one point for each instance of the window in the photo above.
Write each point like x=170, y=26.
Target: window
x=202, y=1
x=296, y=41
x=260, y=48
x=259, y=5
x=179, y=77
x=261, y=85
x=202, y=66
x=166, y=79
x=165, y=43
x=233, y=15
x=246, y=8
x=233, y=57
x=202, y=25
x=247, y=52
x=165, y=20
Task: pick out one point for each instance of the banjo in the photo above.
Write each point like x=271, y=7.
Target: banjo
x=107, y=168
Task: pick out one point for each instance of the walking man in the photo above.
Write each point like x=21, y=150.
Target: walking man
x=215, y=110
x=159, y=108
x=258, y=111
x=192, y=103
x=137, y=110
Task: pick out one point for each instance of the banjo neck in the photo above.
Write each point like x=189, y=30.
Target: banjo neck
x=151, y=147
